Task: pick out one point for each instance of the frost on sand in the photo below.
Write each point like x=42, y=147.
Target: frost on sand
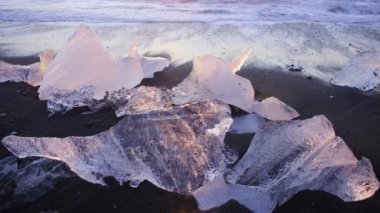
x=150, y=146
x=84, y=71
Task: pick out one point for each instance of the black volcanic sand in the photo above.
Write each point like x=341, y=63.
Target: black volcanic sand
x=356, y=118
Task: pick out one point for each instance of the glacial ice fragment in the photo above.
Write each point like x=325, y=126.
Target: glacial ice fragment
x=218, y=192
x=362, y=72
x=26, y=181
x=214, y=78
x=139, y=100
x=150, y=65
x=31, y=74
x=248, y=123
x=178, y=149
x=238, y=63
x=84, y=65
x=10, y=72
x=273, y=109
x=289, y=156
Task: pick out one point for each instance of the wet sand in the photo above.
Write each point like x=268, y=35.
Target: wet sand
x=356, y=118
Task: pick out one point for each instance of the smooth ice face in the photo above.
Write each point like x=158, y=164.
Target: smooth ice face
x=150, y=65
x=218, y=192
x=287, y=157
x=362, y=72
x=273, y=109
x=248, y=123
x=29, y=180
x=239, y=62
x=170, y=148
x=84, y=64
x=139, y=100
x=214, y=78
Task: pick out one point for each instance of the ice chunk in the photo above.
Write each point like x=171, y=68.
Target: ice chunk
x=248, y=123
x=10, y=72
x=238, y=63
x=84, y=64
x=26, y=181
x=214, y=78
x=176, y=149
x=150, y=65
x=38, y=70
x=219, y=192
x=362, y=72
x=140, y=100
x=289, y=156
x=273, y=109
x=31, y=74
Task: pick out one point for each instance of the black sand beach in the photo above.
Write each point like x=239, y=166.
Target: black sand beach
x=355, y=116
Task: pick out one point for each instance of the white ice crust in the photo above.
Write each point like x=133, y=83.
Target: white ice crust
x=362, y=72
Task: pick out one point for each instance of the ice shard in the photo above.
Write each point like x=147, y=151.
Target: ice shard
x=84, y=71
x=273, y=109
x=10, y=72
x=178, y=149
x=214, y=78
x=28, y=180
x=31, y=74
x=248, y=123
x=238, y=63
x=289, y=156
x=362, y=72
x=150, y=65
x=139, y=100
x=219, y=192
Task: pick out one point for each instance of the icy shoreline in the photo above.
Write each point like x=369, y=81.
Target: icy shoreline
x=316, y=49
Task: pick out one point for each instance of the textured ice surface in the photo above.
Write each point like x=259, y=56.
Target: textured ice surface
x=362, y=72
x=26, y=181
x=215, y=78
x=289, y=156
x=273, y=109
x=84, y=66
x=150, y=65
x=31, y=74
x=249, y=123
x=178, y=149
x=10, y=72
x=219, y=192
x=139, y=100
